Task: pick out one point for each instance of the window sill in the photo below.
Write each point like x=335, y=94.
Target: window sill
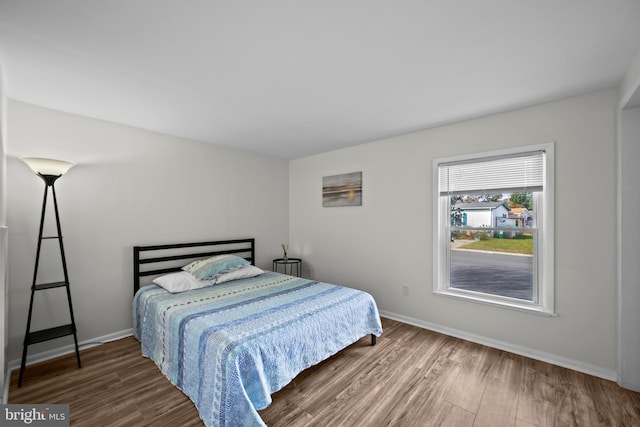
x=502, y=302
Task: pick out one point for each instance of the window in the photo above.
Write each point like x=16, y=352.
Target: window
x=493, y=228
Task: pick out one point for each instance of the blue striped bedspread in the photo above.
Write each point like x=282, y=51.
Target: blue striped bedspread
x=230, y=346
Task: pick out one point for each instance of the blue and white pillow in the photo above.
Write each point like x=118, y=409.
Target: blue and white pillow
x=211, y=268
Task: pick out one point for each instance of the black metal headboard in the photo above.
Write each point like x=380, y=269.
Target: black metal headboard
x=162, y=258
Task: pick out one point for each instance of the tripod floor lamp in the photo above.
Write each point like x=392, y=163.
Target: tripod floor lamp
x=49, y=170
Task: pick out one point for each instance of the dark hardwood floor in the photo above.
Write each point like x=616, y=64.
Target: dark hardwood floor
x=412, y=377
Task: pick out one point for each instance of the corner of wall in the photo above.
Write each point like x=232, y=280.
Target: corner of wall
x=630, y=85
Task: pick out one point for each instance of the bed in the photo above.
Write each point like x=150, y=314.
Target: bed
x=230, y=345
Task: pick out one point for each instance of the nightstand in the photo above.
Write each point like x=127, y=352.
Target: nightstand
x=288, y=265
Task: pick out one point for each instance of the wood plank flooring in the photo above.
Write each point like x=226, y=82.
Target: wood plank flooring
x=412, y=377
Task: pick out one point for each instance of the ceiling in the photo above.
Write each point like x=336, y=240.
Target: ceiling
x=295, y=78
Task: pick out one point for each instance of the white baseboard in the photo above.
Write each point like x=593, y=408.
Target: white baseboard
x=554, y=359
x=576, y=365
x=60, y=351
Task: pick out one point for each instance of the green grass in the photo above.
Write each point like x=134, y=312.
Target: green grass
x=516, y=245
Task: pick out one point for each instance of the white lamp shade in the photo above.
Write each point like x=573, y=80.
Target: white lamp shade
x=47, y=166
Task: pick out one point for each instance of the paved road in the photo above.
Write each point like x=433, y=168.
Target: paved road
x=492, y=273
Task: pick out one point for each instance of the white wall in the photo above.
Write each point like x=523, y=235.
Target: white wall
x=3, y=145
x=130, y=186
x=3, y=236
x=387, y=241
x=630, y=254
x=628, y=229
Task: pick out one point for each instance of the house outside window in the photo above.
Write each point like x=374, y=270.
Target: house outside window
x=493, y=228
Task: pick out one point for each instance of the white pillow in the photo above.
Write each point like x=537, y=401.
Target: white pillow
x=239, y=273
x=180, y=281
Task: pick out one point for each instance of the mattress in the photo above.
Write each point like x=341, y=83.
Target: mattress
x=229, y=347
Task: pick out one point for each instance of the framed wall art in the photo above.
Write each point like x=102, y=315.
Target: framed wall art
x=342, y=190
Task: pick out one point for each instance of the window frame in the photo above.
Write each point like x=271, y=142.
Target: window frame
x=543, y=245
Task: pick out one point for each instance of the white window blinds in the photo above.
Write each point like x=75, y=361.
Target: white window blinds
x=521, y=173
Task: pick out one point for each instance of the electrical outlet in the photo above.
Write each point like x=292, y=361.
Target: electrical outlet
x=405, y=290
